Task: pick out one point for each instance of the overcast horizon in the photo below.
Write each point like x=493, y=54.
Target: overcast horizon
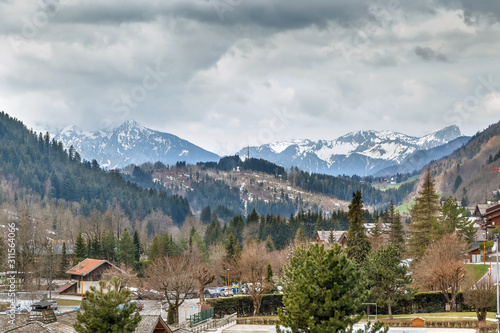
x=224, y=74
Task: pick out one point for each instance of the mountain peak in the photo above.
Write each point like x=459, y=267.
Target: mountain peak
x=131, y=124
x=132, y=143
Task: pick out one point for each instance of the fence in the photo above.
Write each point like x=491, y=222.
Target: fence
x=201, y=316
x=212, y=323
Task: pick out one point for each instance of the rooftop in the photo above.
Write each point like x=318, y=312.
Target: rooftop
x=85, y=267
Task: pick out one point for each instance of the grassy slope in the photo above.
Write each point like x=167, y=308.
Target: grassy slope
x=386, y=186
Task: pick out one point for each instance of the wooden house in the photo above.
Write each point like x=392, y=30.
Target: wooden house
x=488, y=217
x=86, y=274
x=323, y=237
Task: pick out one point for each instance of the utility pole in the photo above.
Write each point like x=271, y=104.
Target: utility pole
x=497, y=315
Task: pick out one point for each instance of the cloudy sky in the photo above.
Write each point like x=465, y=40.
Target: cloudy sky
x=227, y=73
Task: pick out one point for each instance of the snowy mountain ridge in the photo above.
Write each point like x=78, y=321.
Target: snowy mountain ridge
x=362, y=153
x=131, y=143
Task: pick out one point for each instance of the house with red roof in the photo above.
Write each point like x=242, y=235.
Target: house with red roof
x=86, y=274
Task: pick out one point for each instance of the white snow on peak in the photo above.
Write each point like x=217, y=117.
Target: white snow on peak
x=280, y=146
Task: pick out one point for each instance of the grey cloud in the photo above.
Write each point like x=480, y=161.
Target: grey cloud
x=474, y=10
x=428, y=54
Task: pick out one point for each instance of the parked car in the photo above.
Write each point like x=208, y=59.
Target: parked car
x=226, y=293
x=137, y=303
x=54, y=305
x=211, y=293
x=18, y=311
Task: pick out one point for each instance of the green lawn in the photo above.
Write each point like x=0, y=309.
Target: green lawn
x=405, y=208
x=67, y=302
x=439, y=315
x=427, y=316
x=386, y=186
x=476, y=271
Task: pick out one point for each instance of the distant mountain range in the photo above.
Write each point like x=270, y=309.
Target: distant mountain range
x=362, y=153
x=132, y=143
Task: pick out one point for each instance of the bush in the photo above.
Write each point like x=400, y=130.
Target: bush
x=243, y=305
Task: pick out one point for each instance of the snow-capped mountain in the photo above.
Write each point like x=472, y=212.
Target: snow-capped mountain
x=132, y=143
x=362, y=153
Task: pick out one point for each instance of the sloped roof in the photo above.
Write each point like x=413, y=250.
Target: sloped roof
x=65, y=286
x=87, y=266
x=61, y=328
x=35, y=326
x=324, y=236
x=67, y=318
x=148, y=324
x=481, y=208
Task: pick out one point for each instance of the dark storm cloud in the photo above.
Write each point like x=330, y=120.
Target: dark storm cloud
x=429, y=54
x=475, y=10
x=269, y=14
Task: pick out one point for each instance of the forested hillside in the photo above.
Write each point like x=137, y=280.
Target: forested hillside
x=41, y=167
x=242, y=186
x=467, y=173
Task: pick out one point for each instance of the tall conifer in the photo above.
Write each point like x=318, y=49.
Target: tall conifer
x=424, y=215
x=358, y=244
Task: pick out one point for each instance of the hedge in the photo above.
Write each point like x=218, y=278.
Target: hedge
x=243, y=305
x=426, y=302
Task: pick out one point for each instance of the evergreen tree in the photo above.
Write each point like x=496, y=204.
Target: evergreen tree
x=154, y=249
x=206, y=215
x=126, y=249
x=358, y=244
x=95, y=248
x=253, y=217
x=454, y=218
x=387, y=278
x=233, y=249
x=80, y=250
x=300, y=237
x=337, y=306
x=396, y=233
x=108, y=245
x=377, y=237
x=107, y=310
x=213, y=232
x=331, y=238
x=137, y=246
x=424, y=215
x=269, y=273
x=270, y=244
x=63, y=265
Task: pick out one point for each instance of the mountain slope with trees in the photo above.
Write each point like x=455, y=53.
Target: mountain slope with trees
x=43, y=168
x=467, y=173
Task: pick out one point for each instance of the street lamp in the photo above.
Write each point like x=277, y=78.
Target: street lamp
x=228, y=282
x=497, y=315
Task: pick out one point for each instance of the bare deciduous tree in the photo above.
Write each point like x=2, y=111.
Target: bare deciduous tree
x=481, y=296
x=203, y=273
x=442, y=267
x=172, y=276
x=126, y=275
x=252, y=268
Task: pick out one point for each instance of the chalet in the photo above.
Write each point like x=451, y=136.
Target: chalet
x=474, y=253
x=370, y=226
x=323, y=237
x=86, y=274
x=488, y=216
